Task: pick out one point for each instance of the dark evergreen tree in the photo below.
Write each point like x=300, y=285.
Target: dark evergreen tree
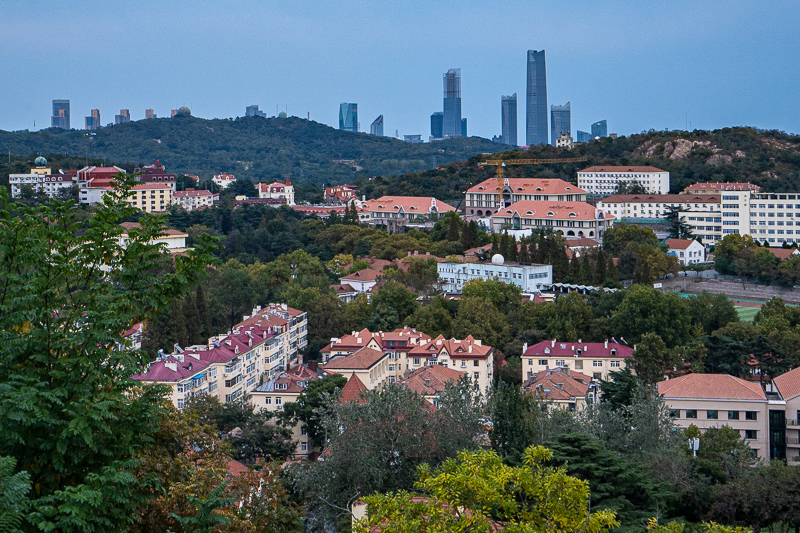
x=600, y=268
x=574, y=272
x=452, y=228
x=586, y=270
x=192, y=324
x=203, y=318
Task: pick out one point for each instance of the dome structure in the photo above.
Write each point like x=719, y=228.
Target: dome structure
x=282, y=114
x=498, y=259
x=40, y=161
x=184, y=111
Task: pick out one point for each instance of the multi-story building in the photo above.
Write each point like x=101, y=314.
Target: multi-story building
x=413, y=139
x=600, y=129
x=123, y=117
x=93, y=182
x=430, y=381
x=191, y=199
x=483, y=199
x=376, y=128
x=605, y=180
x=223, y=180
x=596, y=359
x=93, y=121
x=714, y=400
x=149, y=113
x=573, y=219
x=155, y=174
x=340, y=195
x=437, y=125
x=60, y=118
x=464, y=127
x=560, y=122
x=41, y=179
x=583, y=136
x=395, y=212
x=564, y=141
x=150, y=197
x=348, y=117
x=717, y=188
x=788, y=386
x=688, y=251
x=451, y=119
x=172, y=239
x=253, y=111
x=468, y=355
x=562, y=387
x=369, y=365
x=529, y=277
x=536, y=104
x=277, y=190
x=508, y=115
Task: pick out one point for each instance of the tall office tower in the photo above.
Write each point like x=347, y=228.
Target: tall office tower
x=93, y=122
x=600, y=129
x=508, y=112
x=451, y=121
x=377, y=126
x=437, y=122
x=253, y=111
x=464, y=127
x=123, y=117
x=149, y=113
x=348, y=117
x=60, y=118
x=560, y=121
x=536, y=104
x=584, y=136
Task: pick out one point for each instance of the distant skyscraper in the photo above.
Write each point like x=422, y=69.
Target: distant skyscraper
x=451, y=121
x=253, y=111
x=508, y=112
x=536, y=104
x=149, y=113
x=560, y=121
x=60, y=118
x=464, y=127
x=600, y=129
x=348, y=117
x=123, y=117
x=584, y=136
x=437, y=122
x=377, y=126
x=93, y=122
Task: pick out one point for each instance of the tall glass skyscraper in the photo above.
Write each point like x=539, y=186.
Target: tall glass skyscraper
x=508, y=112
x=560, y=121
x=437, y=121
x=451, y=121
x=377, y=126
x=60, y=118
x=464, y=127
x=600, y=129
x=93, y=122
x=348, y=117
x=584, y=136
x=536, y=105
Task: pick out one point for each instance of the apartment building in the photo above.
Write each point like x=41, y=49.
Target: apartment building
x=484, y=199
x=223, y=181
x=788, y=386
x=604, y=180
x=572, y=219
x=41, y=179
x=370, y=366
x=718, y=188
x=172, y=239
x=688, y=251
x=468, y=355
x=395, y=212
x=150, y=197
x=531, y=278
x=597, y=359
x=340, y=195
x=562, y=387
x=191, y=199
x=430, y=381
x=277, y=190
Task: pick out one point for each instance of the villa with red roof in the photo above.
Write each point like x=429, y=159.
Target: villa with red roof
x=369, y=365
x=483, y=199
x=191, y=199
x=560, y=386
x=596, y=359
x=395, y=212
x=688, y=251
x=469, y=355
x=604, y=180
x=430, y=381
x=361, y=281
x=573, y=219
x=278, y=190
x=223, y=181
x=174, y=240
x=340, y=195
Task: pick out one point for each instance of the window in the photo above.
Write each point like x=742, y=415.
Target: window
x=712, y=415
x=304, y=446
x=733, y=415
x=476, y=363
x=691, y=413
x=180, y=403
x=278, y=400
x=463, y=363
x=578, y=365
x=614, y=364
x=597, y=375
x=561, y=362
x=597, y=363
x=674, y=413
x=304, y=430
x=750, y=434
x=476, y=376
x=416, y=361
x=751, y=415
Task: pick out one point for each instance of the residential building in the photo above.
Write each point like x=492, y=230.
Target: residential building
x=324, y=211
x=253, y=111
x=783, y=253
x=688, y=251
x=564, y=141
x=437, y=125
x=223, y=180
x=60, y=118
x=41, y=179
x=172, y=239
x=277, y=190
x=573, y=219
x=605, y=180
x=93, y=121
x=362, y=281
x=191, y=199
x=717, y=188
x=583, y=136
x=562, y=387
x=150, y=197
x=596, y=359
x=788, y=386
x=348, y=117
x=345, y=292
x=396, y=212
x=469, y=355
x=369, y=365
x=715, y=400
x=531, y=278
x=430, y=381
x=149, y=113
x=93, y=182
x=536, y=104
x=483, y=199
x=340, y=195
x=155, y=174
x=123, y=117
x=508, y=116
x=560, y=122
x=600, y=129
x=464, y=127
x=376, y=128
x=451, y=119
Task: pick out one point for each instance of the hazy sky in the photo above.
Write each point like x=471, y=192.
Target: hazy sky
x=640, y=65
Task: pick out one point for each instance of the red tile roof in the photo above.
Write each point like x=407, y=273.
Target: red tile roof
x=468, y=348
x=343, y=289
x=362, y=359
x=710, y=386
x=148, y=186
x=190, y=192
x=661, y=199
x=368, y=274
x=783, y=253
x=409, y=204
x=550, y=209
x=679, y=244
x=529, y=186
x=587, y=349
x=584, y=242
x=352, y=390
x=621, y=169
x=430, y=380
x=558, y=385
x=788, y=384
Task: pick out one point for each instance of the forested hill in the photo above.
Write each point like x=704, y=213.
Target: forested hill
x=248, y=147
x=770, y=159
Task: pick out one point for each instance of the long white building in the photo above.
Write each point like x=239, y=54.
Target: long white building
x=605, y=180
x=531, y=278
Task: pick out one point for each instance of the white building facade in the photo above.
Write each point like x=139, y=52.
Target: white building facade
x=529, y=277
x=605, y=180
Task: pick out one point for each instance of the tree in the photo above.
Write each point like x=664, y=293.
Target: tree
x=513, y=425
x=679, y=228
x=620, y=389
x=504, y=296
x=616, y=239
x=643, y=310
x=70, y=413
x=13, y=490
x=723, y=454
x=652, y=359
x=481, y=319
x=711, y=311
x=391, y=306
x=309, y=408
x=477, y=492
x=433, y=319
x=233, y=289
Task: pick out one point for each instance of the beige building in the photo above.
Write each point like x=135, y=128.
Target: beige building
x=369, y=365
x=788, y=386
x=277, y=191
x=483, y=199
x=595, y=359
x=573, y=219
x=604, y=180
x=395, y=212
x=150, y=197
x=717, y=188
x=468, y=355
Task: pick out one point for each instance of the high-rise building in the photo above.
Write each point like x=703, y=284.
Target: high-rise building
x=348, y=117
x=600, y=129
x=377, y=126
x=584, y=136
x=464, y=127
x=560, y=121
x=93, y=121
x=149, y=113
x=451, y=120
x=60, y=118
x=508, y=112
x=536, y=104
x=123, y=117
x=253, y=111
x=437, y=122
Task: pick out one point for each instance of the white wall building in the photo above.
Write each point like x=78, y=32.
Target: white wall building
x=277, y=190
x=605, y=180
x=530, y=278
x=223, y=180
x=40, y=178
x=191, y=199
x=688, y=251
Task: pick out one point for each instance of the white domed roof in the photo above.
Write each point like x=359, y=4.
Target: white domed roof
x=498, y=259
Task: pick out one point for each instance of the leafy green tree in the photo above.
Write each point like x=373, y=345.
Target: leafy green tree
x=679, y=228
x=309, y=408
x=726, y=355
x=586, y=271
x=652, y=359
x=233, y=290
x=433, y=319
x=711, y=311
x=505, y=297
x=723, y=454
x=13, y=489
x=481, y=319
x=514, y=426
x=391, y=306
x=616, y=239
x=645, y=310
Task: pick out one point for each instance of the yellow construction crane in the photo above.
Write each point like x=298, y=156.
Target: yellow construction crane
x=501, y=168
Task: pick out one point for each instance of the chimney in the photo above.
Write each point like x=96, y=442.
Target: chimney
x=606, y=344
x=524, y=347
x=553, y=344
x=313, y=365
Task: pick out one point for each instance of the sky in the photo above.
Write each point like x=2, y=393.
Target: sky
x=640, y=65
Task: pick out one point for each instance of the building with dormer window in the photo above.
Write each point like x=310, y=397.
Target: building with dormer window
x=483, y=199
x=392, y=213
x=572, y=219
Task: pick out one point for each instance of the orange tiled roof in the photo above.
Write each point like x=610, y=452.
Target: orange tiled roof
x=558, y=385
x=679, y=244
x=409, y=204
x=467, y=348
x=543, y=209
x=368, y=274
x=788, y=384
x=529, y=186
x=352, y=390
x=431, y=379
x=359, y=360
x=714, y=386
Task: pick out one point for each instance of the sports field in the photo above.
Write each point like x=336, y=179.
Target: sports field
x=746, y=313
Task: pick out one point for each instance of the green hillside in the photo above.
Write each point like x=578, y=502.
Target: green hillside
x=249, y=147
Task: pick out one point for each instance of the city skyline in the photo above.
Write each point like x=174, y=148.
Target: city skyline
x=721, y=72
x=536, y=99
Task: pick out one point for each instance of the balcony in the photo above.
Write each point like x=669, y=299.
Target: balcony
x=792, y=423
